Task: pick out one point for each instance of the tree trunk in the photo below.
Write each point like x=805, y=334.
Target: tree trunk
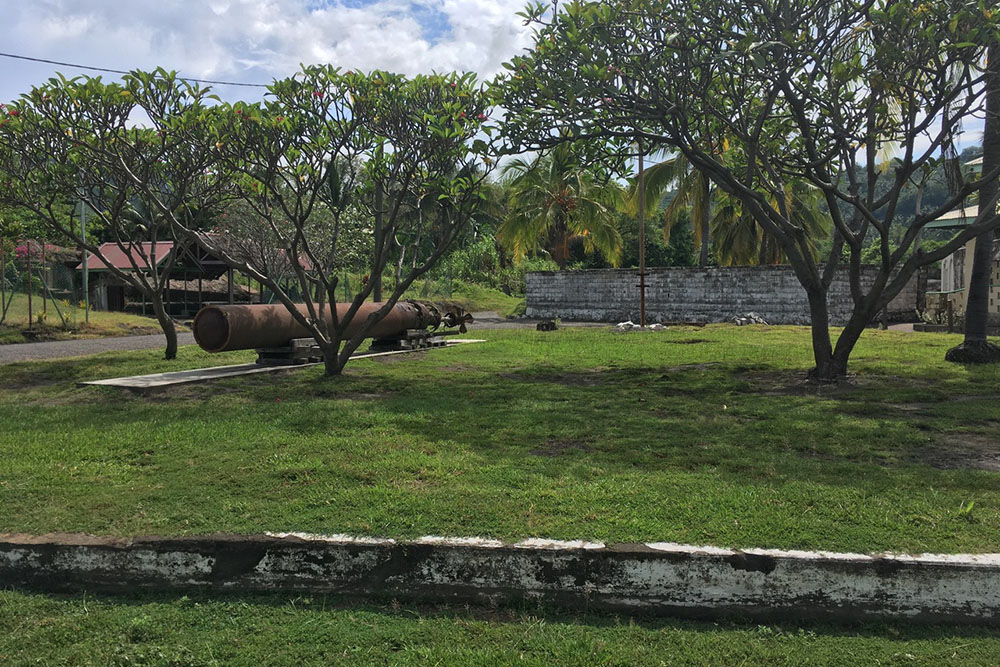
x=762, y=255
x=333, y=364
x=976, y=348
x=828, y=367
x=559, y=242
x=706, y=216
x=166, y=323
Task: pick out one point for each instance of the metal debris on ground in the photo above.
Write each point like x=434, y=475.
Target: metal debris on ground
x=629, y=325
x=748, y=318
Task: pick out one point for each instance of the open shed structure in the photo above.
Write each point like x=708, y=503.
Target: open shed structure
x=197, y=278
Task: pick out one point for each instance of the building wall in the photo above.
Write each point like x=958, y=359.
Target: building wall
x=956, y=275
x=713, y=294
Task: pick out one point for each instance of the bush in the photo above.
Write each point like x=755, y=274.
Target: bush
x=481, y=264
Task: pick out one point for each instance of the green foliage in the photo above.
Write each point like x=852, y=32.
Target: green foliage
x=554, y=199
x=757, y=97
x=482, y=263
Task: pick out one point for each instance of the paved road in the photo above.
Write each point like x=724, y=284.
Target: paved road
x=77, y=348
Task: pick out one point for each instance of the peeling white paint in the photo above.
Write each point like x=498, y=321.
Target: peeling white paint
x=674, y=547
x=655, y=576
x=459, y=541
x=540, y=543
x=336, y=538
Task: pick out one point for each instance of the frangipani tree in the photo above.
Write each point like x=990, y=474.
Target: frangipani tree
x=324, y=155
x=79, y=140
x=800, y=89
x=363, y=151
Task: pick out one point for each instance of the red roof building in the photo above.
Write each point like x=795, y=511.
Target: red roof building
x=139, y=253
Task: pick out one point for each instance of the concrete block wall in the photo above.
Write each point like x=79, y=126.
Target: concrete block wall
x=712, y=294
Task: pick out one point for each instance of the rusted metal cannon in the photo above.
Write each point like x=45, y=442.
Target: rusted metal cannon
x=266, y=326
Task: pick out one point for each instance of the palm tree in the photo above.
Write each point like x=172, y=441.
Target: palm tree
x=693, y=189
x=718, y=218
x=553, y=199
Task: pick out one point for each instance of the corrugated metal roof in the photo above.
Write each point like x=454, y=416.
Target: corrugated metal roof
x=120, y=259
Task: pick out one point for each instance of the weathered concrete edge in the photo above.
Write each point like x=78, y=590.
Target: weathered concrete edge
x=664, y=578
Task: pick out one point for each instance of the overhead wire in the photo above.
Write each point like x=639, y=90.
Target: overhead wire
x=119, y=71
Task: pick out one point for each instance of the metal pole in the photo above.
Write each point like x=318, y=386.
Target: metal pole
x=376, y=273
x=642, y=241
x=45, y=285
x=86, y=272
x=3, y=283
x=27, y=245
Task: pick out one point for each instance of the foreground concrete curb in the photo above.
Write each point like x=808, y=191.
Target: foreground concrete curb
x=662, y=578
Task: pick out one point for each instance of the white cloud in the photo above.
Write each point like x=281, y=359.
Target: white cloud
x=257, y=40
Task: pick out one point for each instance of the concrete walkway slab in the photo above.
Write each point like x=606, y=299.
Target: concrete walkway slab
x=160, y=380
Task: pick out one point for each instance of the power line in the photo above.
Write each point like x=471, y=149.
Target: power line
x=118, y=71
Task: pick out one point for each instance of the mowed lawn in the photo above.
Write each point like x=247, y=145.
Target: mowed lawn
x=253, y=630
x=72, y=325
x=698, y=435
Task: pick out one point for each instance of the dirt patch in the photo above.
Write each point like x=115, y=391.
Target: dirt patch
x=188, y=392
x=922, y=406
x=977, y=451
x=396, y=358
x=690, y=341
x=767, y=383
x=691, y=367
x=589, y=379
x=559, y=447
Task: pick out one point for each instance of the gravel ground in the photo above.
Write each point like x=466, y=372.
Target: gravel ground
x=77, y=348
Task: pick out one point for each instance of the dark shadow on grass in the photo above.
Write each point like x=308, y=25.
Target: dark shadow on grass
x=521, y=611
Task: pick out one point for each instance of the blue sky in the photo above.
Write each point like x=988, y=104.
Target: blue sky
x=257, y=40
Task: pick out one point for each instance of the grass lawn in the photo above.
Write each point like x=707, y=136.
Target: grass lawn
x=704, y=436
x=285, y=630
x=101, y=323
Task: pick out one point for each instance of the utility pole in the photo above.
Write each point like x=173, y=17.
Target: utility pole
x=376, y=273
x=642, y=240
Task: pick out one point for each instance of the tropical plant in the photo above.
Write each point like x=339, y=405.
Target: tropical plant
x=553, y=199
x=718, y=219
x=804, y=89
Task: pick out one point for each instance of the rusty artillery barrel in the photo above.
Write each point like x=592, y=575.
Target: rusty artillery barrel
x=246, y=327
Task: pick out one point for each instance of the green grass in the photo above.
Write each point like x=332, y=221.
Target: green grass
x=51, y=327
x=690, y=435
x=283, y=630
